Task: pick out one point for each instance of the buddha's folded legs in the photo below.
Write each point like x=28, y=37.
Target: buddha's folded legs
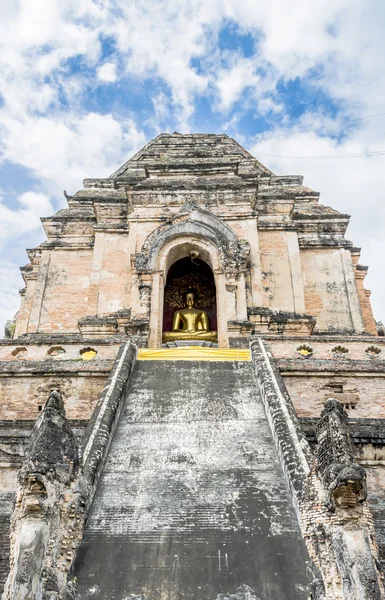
x=169, y=336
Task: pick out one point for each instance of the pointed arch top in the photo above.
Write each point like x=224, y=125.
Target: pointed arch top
x=193, y=220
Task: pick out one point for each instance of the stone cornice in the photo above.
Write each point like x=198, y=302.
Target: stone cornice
x=50, y=339
x=25, y=368
x=327, y=337
x=318, y=240
x=367, y=431
x=299, y=366
x=65, y=243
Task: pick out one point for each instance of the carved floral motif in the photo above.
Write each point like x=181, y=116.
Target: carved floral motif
x=305, y=350
x=175, y=292
x=373, y=351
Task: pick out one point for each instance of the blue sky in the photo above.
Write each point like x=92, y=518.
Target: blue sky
x=84, y=84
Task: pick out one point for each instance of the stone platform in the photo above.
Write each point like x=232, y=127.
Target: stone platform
x=184, y=343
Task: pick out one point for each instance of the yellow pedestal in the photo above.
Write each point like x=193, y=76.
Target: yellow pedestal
x=194, y=353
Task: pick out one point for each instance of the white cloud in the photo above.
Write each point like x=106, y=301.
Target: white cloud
x=107, y=72
x=36, y=203
x=162, y=38
x=339, y=43
x=25, y=218
x=232, y=81
x=67, y=150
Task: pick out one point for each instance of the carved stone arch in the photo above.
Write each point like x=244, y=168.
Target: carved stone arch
x=193, y=220
x=195, y=229
x=171, y=251
x=180, y=246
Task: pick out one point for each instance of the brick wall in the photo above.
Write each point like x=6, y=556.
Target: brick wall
x=363, y=396
x=67, y=295
x=276, y=274
x=325, y=290
x=22, y=395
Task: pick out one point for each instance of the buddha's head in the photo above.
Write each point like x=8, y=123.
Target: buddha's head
x=190, y=299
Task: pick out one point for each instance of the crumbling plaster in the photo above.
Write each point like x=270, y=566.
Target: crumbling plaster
x=299, y=261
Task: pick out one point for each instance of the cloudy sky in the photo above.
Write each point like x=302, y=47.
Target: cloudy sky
x=85, y=83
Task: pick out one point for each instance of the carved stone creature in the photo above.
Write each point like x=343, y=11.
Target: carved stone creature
x=343, y=479
x=243, y=254
x=44, y=511
x=53, y=451
x=9, y=327
x=345, y=485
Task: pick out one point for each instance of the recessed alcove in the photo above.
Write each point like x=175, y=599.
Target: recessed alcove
x=20, y=352
x=184, y=275
x=87, y=353
x=205, y=254
x=55, y=351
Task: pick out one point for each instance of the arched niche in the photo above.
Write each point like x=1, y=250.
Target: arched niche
x=171, y=252
x=190, y=273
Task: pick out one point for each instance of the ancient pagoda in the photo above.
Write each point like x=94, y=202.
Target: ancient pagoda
x=192, y=393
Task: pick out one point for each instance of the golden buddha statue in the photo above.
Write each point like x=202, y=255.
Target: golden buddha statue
x=190, y=323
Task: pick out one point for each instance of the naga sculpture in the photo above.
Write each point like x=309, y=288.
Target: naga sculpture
x=43, y=517
x=343, y=479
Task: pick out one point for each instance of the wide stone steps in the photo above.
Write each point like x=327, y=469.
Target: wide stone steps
x=192, y=502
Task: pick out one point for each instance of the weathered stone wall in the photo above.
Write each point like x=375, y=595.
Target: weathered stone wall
x=275, y=270
x=326, y=293
x=361, y=395
x=363, y=294
x=110, y=268
x=59, y=348
x=100, y=281
x=63, y=294
x=366, y=309
x=22, y=394
x=103, y=277
x=324, y=347
x=26, y=304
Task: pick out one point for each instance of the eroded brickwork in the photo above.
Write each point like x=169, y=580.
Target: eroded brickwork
x=275, y=267
x=22, y=397
x=361, y=395
x=301, y=262
x=326, y=294
x=283, y=271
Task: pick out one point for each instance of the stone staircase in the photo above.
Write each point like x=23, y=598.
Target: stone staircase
x=192, y=502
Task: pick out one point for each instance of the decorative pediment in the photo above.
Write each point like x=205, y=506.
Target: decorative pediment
x=193, y=220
